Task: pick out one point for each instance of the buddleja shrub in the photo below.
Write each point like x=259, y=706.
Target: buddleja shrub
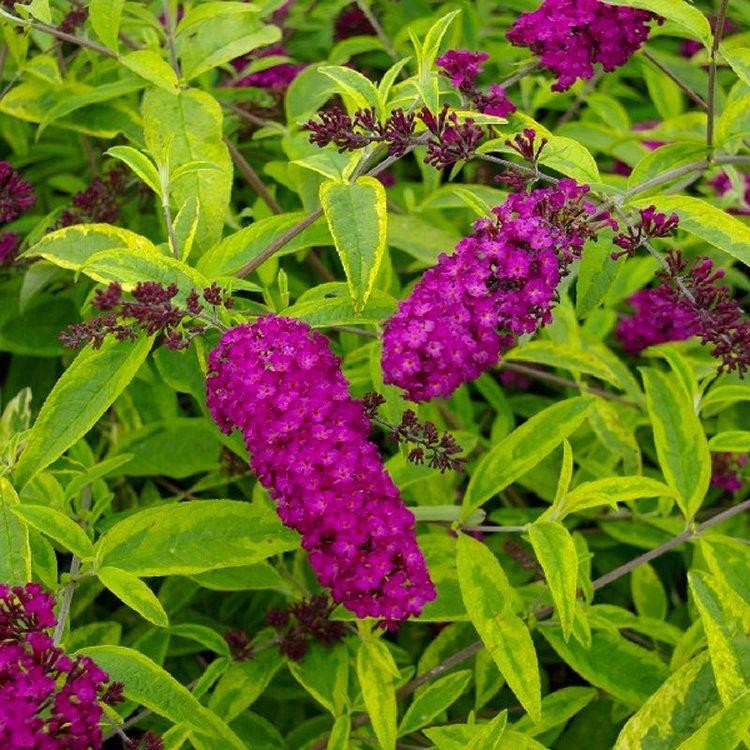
x=373, y=375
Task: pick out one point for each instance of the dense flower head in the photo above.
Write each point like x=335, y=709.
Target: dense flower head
x=279, y=383
x=727, y=470
x=462, y=66
x=494, y=102
x=655, y=321
x=571, y=36
x=48, y=700
x=275, y=78
x=500, y=282
x=16, y=195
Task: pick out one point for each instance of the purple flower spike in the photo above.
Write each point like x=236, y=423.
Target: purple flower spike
x=279, y=383
x=500, y=283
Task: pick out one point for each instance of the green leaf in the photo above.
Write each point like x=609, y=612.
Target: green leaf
x=354, y=85
x=356, y=215
x=150, y=65
x=150, y=686
x=662, y=159
x=725, y=619
x=649, y=596
x=732, y=441
x=201, y=634
x=427, y=51
x=556, y=552
x=243, y=683
x=215, y=41
x=135, y=593
x=192, y=537
x=722, y=394
x=609, y=491
x=84, y=392
x=65, y=531
x=186, y=226
x=331, y=305
x=563, y=355
x=626, y=671
x=72, y=246
x=725, y=730
x=419, y=238
x=596, y=274
x=232, y=253
x=489, y=601
x=105, y=16
x=733, y=123
x=324, y=673
x=682, y=705
x=190, y=442
x=681, y=445
x=739, y=59
x=434, y=700
x=377, y=673
x=139, y=163
x=679, y=11
x=15, y=552
x=190, y=123
x=729, y=560
x=523, y=449
x=557, y=708
x=705, y=221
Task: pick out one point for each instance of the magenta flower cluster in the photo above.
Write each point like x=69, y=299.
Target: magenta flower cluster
x=500, y=283
x=655, y=320
x=16, y=197
x=571, y=36
x=48, y=700
x=279, y=383
x=462, y=66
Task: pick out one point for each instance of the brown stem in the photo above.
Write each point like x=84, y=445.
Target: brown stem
x=692, y=94
x=46, y=28
x=252, y=178
x=526, y=70
x=718, y=31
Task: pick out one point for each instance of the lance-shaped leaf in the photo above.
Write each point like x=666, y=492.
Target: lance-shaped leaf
x=681, y=445
x=356, y=214
x=489, y=600
x=556, y=552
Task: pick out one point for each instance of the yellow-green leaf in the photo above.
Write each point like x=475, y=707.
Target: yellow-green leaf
x=377, y=673
x=65, y=531
x=681, y=445
x=523, y=449
x=357, y=217
x=489, y=600
x=132, y=591
x=556, y=552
